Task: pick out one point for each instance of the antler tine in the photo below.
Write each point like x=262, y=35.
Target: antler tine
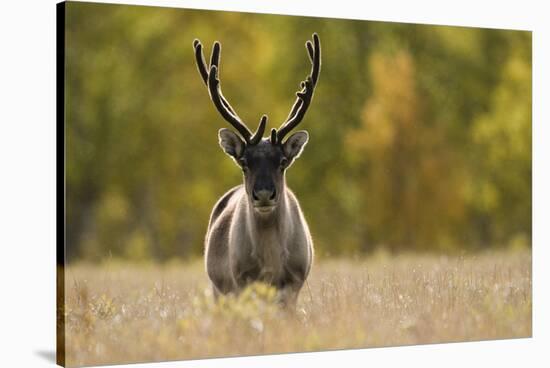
x=203, y=70
x=217, y=97
x=315, y=57
x=274, y=136
x=215, y=57
x=260, y=131
x=305, y=95
x=201, y=64
x=210, y=78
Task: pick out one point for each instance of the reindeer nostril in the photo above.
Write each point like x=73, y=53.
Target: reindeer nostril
x=255, y=196
x=272, y=197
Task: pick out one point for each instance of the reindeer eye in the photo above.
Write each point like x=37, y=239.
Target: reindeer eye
x=284, y=162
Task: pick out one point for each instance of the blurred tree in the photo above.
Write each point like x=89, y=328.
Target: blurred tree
x=403, y=157
x=500, y=185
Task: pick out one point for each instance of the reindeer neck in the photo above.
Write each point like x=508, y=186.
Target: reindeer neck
x=267, y=234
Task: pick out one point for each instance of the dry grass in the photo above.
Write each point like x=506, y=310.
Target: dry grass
x=120, y=313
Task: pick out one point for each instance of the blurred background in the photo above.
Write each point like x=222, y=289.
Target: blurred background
x=420, y=136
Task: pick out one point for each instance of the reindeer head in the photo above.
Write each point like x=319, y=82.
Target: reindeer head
x=263, y=160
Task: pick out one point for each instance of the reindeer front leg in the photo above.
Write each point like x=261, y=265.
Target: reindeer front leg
x=290, y=286
x=287, y=297
x=245, y=273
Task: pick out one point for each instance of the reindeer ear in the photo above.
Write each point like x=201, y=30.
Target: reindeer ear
x=231, y=143
x=294, y=145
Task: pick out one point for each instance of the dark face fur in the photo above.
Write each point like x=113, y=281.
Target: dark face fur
x=263, y=165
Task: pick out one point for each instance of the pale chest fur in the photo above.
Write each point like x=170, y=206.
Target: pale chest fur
x=270, y=253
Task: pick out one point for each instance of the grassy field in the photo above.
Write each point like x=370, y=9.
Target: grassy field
x=122, y=313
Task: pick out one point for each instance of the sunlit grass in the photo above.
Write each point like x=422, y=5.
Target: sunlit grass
x=119, y=313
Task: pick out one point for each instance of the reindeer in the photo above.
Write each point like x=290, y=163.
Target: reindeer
x=257, y=231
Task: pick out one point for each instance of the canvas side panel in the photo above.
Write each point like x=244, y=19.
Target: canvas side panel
x=60, y=186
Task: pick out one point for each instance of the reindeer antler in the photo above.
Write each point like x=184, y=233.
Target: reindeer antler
x=305, y=94
x=211, y=80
